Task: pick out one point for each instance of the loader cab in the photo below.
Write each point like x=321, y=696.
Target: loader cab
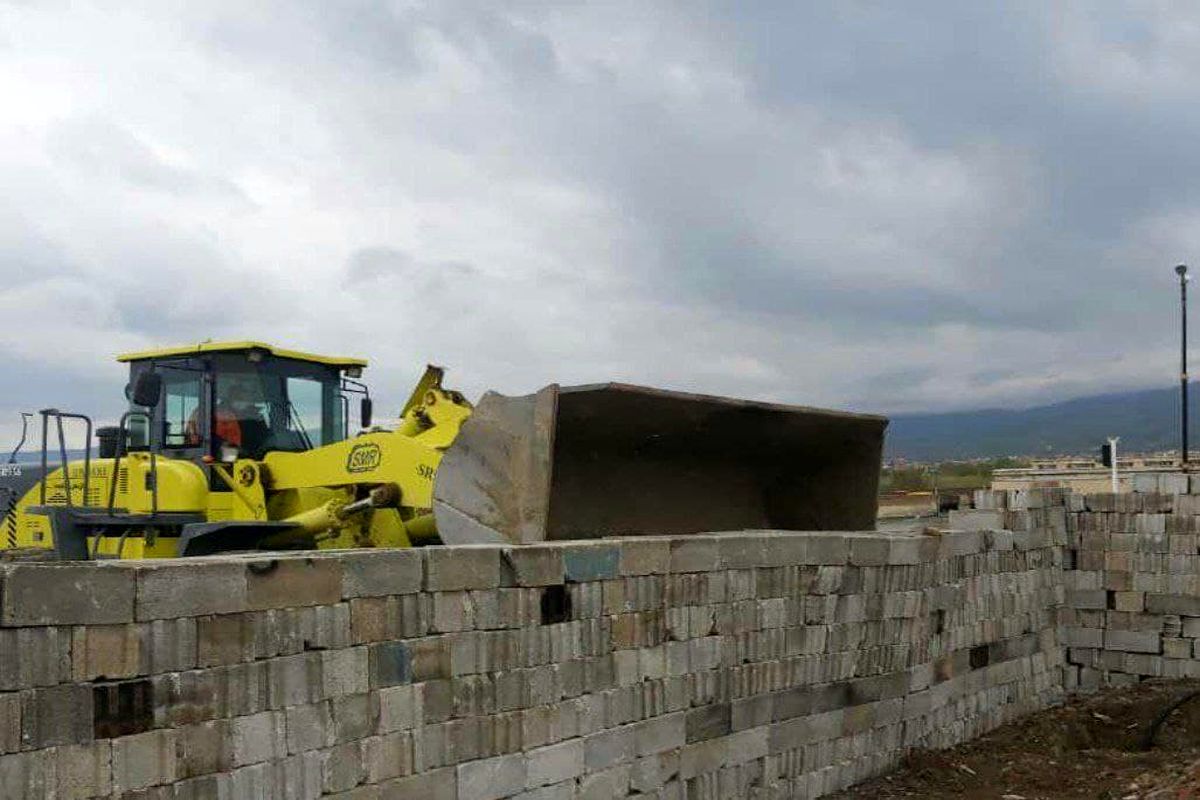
x=222, y=401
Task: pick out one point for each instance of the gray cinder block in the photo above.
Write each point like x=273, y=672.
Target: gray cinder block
x=590, y=562
x=287, y=581
x=533, y=565
x=380, y=572
x=81, y=770
x=660, y=734
x=143, y=760
x=1133, y=641
x=10, y=722
x=389, y=756
x=436, y=784
x=65, y=594
x=32, y=657
x=401, y=707
x=308, y=727
x=1187, y=605
x=708, y=756
x=976, y=520
x=355, y=717
x=224, y=639
x=555, y=763
x=828, y=549
x=344, y=671
x=1083, y=637
x=56, y=715
x=645, y=556
x=294, y=680
x=27, y=775
x=107, y=651
x=452, y=611
x=608, y=747
x=342, y=767
x=1096, y=599
x=612, y=782
x=390, y=664
x=708, y=722
x=869, y=551
x=462, y=567
x=649, y=774
x=257, y=737
x=492, y=778
x=694, y=554
x=203, y=748
x=190, y=588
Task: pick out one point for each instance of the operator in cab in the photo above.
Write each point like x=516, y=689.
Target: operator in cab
x=237, y=418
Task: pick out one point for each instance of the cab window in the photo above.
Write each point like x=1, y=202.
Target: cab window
x=305, y=400
x=245, y=413
x=276, y=406
x=181, y=409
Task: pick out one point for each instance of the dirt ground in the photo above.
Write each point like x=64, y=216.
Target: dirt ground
x=1089, y=748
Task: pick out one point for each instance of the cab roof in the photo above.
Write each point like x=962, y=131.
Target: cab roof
x=241, y=347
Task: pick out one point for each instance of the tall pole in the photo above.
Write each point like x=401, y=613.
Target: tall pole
x=1112, y=449
x=1181, y=271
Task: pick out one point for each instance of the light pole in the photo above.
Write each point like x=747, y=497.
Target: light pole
x=1112, y=449
x=1181, y=271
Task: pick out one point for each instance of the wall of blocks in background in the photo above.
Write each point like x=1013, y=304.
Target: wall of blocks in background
x=742, y=665
x=1131, y=575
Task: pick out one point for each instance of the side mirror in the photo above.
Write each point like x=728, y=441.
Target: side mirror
x=364, y=412
x=147, y=390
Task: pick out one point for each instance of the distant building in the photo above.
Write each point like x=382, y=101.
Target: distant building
x=1083, y=474
x=895, y=505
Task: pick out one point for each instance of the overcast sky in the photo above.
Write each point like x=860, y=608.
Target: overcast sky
x=887, y=207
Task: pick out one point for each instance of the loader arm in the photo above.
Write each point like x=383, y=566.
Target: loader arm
x=371, y=459
x=375, y=489
x=407, y=457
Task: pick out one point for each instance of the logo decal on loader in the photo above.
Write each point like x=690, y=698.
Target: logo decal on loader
x=364, y=458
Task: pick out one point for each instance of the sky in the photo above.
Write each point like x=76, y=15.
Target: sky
x=875, y=206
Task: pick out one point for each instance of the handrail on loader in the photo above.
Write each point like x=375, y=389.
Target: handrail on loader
x=62, y=449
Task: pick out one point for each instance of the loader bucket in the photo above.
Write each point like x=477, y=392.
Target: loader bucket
x=584, y=462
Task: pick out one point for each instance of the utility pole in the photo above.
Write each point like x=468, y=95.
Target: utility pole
x=1181, y=271
x=1112, y=449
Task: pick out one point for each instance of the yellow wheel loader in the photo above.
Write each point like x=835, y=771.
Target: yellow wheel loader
x=246, y=446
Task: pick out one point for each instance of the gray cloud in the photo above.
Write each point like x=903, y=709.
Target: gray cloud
x=861, y=205
x=103, y=151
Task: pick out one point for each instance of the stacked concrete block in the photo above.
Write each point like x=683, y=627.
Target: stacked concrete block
x=1169, y=483
x=1132, y=583
x=727, y=665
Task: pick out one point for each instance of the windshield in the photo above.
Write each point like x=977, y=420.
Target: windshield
x=255, y=406
x=265, y=407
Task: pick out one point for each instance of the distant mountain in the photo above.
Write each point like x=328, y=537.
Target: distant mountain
x=1145, y=420
x=33, y=455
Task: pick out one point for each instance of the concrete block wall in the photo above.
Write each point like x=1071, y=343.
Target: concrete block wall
x=741, y=665
x=1133, y=589
x=1131, y=575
